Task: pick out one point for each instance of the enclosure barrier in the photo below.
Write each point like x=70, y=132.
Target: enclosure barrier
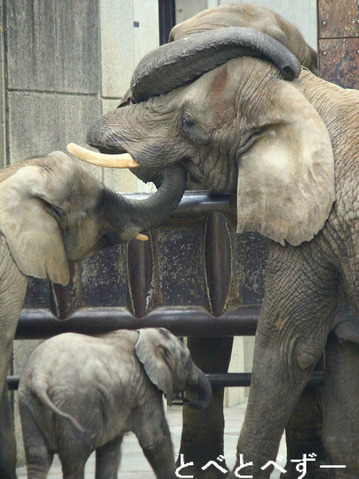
x=195, y=276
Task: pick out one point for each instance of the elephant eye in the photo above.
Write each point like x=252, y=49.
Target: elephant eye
x=187, y=123
x=101, y=203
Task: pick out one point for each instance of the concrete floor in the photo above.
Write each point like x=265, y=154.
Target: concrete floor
x=135, y=465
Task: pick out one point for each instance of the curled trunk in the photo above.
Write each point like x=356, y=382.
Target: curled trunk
x=199, y=385
x=153, y=211
x=174, y=64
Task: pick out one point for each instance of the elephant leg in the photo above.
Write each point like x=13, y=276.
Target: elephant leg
x=202, y=433
x=297, y=313
x=108, y=459
x=304, y=435
x=341, y=412
x=12, y=294
x=154, y=438
x=38, y=456
x=73, y=452
x=7, y=439
x=73, y=471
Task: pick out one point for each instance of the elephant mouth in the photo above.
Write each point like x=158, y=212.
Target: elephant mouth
x=118, y=157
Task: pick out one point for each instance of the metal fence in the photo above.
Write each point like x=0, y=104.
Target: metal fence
x=195, y=276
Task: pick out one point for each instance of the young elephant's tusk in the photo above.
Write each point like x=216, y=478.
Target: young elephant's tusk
x=124, y=160
x=141, y=237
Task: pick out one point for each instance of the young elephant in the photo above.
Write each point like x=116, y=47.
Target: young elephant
x=53, y=211
x=79, y=393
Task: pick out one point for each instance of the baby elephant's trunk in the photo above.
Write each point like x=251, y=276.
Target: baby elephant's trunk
x=199, y=384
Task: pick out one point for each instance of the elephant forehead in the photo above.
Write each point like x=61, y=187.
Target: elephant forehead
x=83, y=187
x=211, y=99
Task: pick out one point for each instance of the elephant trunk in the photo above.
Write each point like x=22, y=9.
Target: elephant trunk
x=199, y=384
x=153, y=211
x=179, y=62
x=175, y=64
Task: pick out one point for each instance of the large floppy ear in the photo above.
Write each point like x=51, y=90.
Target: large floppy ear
x=348, y=331
x=157, y=359
x=286, y=178
x=27, y=220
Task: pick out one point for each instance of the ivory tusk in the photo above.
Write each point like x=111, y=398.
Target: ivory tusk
x=123, y=160
x=141, y=237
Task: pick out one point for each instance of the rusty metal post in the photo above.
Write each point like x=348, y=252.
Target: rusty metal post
x=338, y=41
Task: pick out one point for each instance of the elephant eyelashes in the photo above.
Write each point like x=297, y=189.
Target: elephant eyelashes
x=56, y=212
x=193, y=131
x=187, y=123
x=101, y=204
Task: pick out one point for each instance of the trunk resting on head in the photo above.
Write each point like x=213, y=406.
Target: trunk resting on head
x=174, y=64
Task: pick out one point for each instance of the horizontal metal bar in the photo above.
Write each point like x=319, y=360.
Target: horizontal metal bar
x=196, y=204
x=216, y=380
x=244, y=379
x=40, y=324
x=13, y=382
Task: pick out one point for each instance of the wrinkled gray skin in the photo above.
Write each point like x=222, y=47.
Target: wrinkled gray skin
x=78, y=394
x=304, y=429
x=52, y=211
x=289, y=149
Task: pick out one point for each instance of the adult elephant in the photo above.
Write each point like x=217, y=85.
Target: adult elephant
x=53, y=211
x=304, y=428
x=286, y=142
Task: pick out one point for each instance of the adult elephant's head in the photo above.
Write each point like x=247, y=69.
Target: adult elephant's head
x=227, y=104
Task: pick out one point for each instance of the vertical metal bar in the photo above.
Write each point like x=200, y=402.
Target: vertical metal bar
x=140, y=269
x=217, y=262
x=66, y=299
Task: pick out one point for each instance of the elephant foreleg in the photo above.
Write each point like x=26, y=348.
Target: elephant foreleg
x=7, y=440
x=13, y=289
x=202, y=434
x=341, y=411
x=154, y=437
x=304, y=435
x=296, y=316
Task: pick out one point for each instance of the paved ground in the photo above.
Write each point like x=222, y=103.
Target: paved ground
x=134, y=464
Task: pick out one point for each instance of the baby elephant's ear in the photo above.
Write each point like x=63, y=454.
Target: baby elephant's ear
x=27, y=220
x=156, y=359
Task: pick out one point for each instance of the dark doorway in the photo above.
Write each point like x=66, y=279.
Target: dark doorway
x=167, y=18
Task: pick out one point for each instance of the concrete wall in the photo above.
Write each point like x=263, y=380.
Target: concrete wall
x=62, y=64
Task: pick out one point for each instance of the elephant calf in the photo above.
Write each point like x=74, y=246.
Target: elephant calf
x=79, y=393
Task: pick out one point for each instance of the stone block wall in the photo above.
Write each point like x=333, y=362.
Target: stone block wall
x=63, y=64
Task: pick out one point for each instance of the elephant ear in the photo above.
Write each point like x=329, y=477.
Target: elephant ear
x=348, y=331
x=157, y=359
x=27, y=220
x=286, y=178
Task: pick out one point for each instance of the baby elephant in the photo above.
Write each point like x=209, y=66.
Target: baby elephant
x=79, y=393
